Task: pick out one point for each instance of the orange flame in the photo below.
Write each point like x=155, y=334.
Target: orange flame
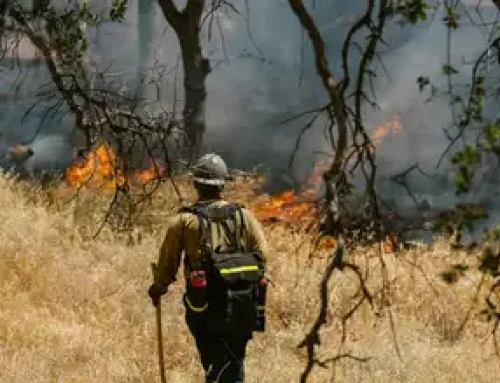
x=391, y=126
x=101, y=168
x=295, y=207
x=291, y=206
x=283, y=207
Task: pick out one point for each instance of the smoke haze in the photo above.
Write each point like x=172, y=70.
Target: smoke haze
x=263, y=72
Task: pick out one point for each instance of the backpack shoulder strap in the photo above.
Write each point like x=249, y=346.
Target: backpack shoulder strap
x=220, y=215
x=205, y=233
x=229, y=212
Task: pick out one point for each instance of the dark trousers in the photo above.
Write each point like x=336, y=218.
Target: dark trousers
x=222, y=355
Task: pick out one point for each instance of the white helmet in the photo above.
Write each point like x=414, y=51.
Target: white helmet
x=210, y=169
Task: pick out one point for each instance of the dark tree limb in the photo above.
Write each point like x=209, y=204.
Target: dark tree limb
x=338, y=112
x=103, y=115
x=312, y=339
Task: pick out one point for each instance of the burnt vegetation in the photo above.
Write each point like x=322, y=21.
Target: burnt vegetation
x=121, y=122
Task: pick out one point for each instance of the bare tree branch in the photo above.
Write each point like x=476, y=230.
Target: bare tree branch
x=329, y=83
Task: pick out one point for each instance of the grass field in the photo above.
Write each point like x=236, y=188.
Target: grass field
x=76, y=310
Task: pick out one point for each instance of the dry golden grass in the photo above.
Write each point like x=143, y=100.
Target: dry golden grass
x=76, y=310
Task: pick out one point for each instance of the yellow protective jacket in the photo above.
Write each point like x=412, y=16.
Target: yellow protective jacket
x=184, y=237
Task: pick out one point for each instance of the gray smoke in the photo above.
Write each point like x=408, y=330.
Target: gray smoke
x=50, y=154
x=263, y=73
x=44, y=158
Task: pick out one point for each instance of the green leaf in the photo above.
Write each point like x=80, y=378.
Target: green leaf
x=467, y=156
x=118, y=10
x=448, y=70
x=463, y=179
x=491, y=136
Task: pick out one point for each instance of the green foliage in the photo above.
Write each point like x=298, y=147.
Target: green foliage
x=473, y=112
x=67, y=35
x=118, y=10
x=448, y=70
x=66, y=29
x=468, y=156
x=466, y=160
x=451, y=18
x=463, y=179
x=414, y=11
x=490, y=138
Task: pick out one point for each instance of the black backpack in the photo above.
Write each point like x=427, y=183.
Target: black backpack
x=234, y=297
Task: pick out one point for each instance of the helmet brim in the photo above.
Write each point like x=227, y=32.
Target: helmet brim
x=211, y=182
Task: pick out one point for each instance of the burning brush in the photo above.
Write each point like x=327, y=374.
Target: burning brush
x=292, y=206
x=299, y=207
x=103, y=169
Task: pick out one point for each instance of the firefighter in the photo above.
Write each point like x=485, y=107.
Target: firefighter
x=220, y=348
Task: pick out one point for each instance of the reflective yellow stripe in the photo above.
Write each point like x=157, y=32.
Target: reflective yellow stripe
x=240, y=269
x=194, y=308
x=261, y=307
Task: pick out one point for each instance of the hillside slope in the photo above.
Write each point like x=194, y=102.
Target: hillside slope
x=75, y=310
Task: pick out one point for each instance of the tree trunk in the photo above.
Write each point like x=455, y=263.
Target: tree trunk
x=186, y=24
x=196, y=68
